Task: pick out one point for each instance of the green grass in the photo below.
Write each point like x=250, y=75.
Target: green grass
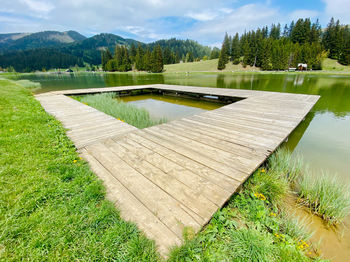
x=205, y=66
x=109, y=104
x=326, y=196
x=332, y=65
x=52, y=207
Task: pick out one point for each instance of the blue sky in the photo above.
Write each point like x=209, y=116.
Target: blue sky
x=203, y=20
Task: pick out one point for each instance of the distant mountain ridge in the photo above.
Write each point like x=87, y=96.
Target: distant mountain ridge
x=45, y=39
x=17, y=49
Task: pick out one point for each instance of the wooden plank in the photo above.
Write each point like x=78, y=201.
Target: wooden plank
x=200, y=185
x=215, y=177
x=131, y=208
x=161, y=204
x=200, y=208
x=167, y=140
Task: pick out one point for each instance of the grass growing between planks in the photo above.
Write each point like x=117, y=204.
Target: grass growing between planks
x=52, y=207
x=109, y=104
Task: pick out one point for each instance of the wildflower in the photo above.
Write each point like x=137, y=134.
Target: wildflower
x=74, y=161
x=118, y=118
x=260, y=196
x=11, y=129
x=277, y=235
x=273, y=214
x=80, y=158
x=263, y=170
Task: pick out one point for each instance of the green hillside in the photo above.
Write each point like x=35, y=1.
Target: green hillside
x=205, y=66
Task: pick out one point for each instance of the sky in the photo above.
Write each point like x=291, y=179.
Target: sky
x=205, y=21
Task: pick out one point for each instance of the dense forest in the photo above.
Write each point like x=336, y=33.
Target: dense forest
x=275, y=48
x=141, y=59
x=38, y=59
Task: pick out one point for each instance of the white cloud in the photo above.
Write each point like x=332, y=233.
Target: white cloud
x=246, y=17
x=147, y=20
x=202, y=16
x=39, y=6
x=339, y=9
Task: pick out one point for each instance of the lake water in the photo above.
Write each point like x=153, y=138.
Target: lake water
x=323, y=138
x=169, y=107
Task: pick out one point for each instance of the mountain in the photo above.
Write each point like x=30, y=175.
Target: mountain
x=21, y=50
x=89, y=49
x=45, y=39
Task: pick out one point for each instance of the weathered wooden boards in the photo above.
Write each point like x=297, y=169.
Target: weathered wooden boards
x=176, y=175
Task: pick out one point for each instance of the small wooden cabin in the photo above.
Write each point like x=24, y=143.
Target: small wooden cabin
x=302, y=67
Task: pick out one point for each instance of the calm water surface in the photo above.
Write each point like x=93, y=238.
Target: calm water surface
x=323, y=138
x=168, y=107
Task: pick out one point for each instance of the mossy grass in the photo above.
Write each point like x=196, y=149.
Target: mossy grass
x=52, y=207
x=111, y=105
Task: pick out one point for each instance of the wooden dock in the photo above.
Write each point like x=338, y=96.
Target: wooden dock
x=176, y=175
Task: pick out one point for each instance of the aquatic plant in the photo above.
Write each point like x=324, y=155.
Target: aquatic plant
x=111, y=105
x=283, y=163
x=326, y=196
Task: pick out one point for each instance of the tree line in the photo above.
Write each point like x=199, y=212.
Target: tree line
x=38, y=59
x=275, y=48
x=142, y=58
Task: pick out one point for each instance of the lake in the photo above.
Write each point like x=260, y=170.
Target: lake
x=323, y=138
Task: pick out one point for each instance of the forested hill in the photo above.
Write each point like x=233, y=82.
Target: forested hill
x=45, y=39
x=16, y=48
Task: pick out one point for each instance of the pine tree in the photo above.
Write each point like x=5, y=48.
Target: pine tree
x=223, y=57
x=235, y=50
x=157, y=60
x=105, y=57
x=132, y=53
x=139, y=60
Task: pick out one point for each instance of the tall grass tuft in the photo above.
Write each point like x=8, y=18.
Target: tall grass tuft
x=326, y=195
x=286, y=165
x=295, y=227
x=28, y=84
x=111, y=105
x=249, y=244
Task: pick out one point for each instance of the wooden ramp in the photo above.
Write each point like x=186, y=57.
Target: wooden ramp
x=176, y=175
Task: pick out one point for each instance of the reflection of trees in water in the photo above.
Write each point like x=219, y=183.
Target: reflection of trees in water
x=299, y=131
x=132, y=79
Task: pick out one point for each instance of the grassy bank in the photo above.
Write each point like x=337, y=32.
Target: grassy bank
x=109, y=104
x=52, y=207
x=330, y=66
x=206, y=66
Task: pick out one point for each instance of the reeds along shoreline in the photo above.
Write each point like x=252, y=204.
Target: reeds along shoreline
x=111, y=105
